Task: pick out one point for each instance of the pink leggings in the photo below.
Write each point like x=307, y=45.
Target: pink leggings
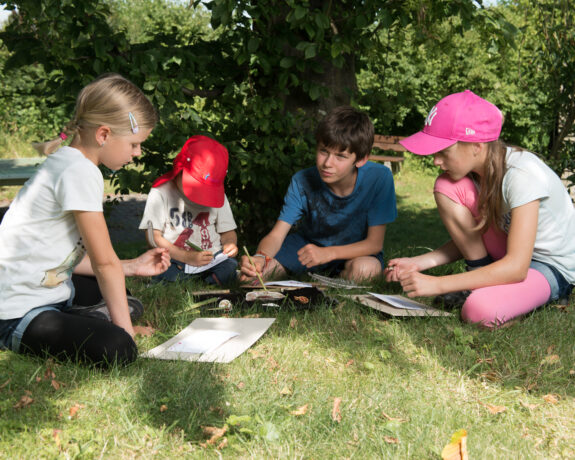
x=494, y=305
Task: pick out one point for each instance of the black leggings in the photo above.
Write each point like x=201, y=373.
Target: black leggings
x=79, y=338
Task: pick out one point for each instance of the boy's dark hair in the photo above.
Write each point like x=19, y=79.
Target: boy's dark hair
x=346, y=128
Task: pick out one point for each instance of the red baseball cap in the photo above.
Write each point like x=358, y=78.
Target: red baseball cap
x=204, y=164
x=458, y=117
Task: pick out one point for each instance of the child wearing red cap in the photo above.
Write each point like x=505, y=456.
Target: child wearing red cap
x=190, y=214
x=508, y=214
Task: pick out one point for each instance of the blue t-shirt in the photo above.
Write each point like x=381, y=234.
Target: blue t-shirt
x=326, y=219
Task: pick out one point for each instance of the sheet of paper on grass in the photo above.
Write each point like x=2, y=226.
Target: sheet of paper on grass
x=397, y=305
x=218, y=259
x=288, y=283
x=235, y=335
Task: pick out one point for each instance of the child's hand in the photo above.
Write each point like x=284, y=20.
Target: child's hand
x=199, y=258
x=230, y=249
x=402, y=265
x=311, y=255
x=416, y=284
x=248, y=270
x=150, y=263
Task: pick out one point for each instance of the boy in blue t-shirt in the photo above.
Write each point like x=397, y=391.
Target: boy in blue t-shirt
x=341, y=206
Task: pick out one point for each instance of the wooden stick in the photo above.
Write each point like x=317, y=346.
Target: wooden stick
x=254, y=265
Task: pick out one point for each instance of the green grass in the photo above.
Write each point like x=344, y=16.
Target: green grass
x=405, y=385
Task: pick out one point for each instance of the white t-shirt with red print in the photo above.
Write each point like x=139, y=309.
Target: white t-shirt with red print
x=181, y=220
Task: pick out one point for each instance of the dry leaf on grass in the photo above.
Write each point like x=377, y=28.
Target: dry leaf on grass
x=551, y=359
x=56, y=385
x=393, y=419
x=302, y=410
x=293, y=323
x=495, y=409
x=163, y=408
x=285, y=391
x=56, y=435
x=528, y=406
x=457, y=447
x=256, y=354
x=551, y=398
x=5, y=384
x=214, y=433
x=222, y=444
x=144, y=331
x=354, y=325
x=74, y=410
x=391, y=440
x=25, y=401
x=335, y=412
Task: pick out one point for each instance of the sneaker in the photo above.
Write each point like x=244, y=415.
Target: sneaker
x=452, y=300
x=100, y=310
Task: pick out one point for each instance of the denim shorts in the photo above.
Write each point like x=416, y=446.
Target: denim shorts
x=287, y=257
x=560, y=287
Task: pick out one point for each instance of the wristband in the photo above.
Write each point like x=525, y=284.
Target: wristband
x=266, y=259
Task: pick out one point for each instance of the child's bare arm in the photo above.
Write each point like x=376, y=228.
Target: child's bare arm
x=229, y=242
x=106, y=266
x=191, y=257
x=311, y=255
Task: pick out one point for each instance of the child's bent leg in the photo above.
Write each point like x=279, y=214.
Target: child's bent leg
x=78, y=338
x=494, y=305
x=362, y=268
x=223, y=273
x=457, y=203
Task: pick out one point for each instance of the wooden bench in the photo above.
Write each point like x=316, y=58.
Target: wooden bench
x=389, y=143
x=16, y=171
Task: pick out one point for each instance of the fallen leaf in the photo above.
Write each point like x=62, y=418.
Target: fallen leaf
x=273, y=363
x=285, y=391
x=492, y=376
x=302, y=410
x=5, y=384
x=335, y=412
x=527, y=405
x=394, y=419
x=256, y=354
x=495, y=409
x=144, y=331
x=49, y=374
x=551, y=398
x=355, y=440
x=390, y=440
x=74, y=410
x=349, y=363
x=56, y=435
x=222, y=444
x=214, y=433
x=38, y=379
x=571, y=372
x=354, y=325
x=550, y=359
x=163, y=408
x=25, y=401
x=293, y=323
x=56, y=385
x=241, y=385
x=457, y=447
x=550, y=349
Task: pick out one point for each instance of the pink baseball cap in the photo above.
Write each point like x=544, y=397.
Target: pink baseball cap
x=204, y=164
x=458, y=117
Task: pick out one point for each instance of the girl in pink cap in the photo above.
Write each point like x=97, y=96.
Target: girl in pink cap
x=508, y=215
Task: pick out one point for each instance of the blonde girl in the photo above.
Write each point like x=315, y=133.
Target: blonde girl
x=508, y=215
x=55, y=228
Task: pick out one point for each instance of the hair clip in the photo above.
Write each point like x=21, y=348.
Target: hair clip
x=133, y=123
x=62, y=136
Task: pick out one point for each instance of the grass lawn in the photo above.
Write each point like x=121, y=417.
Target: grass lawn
x=403, y=386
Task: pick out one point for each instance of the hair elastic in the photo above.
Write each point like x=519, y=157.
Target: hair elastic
x=62, y=136
x=133, y=123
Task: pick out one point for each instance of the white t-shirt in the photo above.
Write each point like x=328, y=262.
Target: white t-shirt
x=39, y=241
x=181, y=220
x=527, y=179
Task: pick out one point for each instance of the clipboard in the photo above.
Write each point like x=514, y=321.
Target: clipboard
x=417, y=309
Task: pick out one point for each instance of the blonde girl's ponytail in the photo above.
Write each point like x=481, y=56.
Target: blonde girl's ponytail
x=491, y=187
x=110, y=100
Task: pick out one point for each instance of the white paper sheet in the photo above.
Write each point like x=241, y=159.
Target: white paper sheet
x=397, y=301
x=203, y=341
x=218, y=259
x=247, y=331
x=288, y=283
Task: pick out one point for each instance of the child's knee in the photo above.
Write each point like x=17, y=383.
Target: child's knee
x=362, y=268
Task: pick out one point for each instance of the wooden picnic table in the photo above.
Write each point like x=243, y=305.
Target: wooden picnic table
x=389, y=143
x=16, y=171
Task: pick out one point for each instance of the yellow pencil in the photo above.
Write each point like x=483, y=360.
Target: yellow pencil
x=254, y=265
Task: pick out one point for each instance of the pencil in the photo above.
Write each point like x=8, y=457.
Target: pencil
x=254, y=265
x=193, y=246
